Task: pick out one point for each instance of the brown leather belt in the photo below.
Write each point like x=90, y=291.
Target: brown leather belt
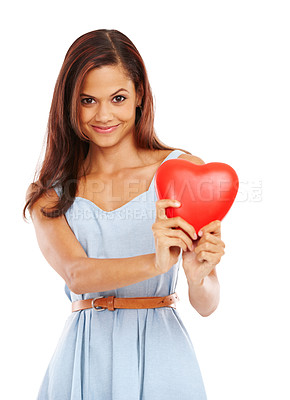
x=111, y=302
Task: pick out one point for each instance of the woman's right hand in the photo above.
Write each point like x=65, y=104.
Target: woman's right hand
x=169, y=241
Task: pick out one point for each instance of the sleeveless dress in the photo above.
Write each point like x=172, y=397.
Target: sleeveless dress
x=125, y=354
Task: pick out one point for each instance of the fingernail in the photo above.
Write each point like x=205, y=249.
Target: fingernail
x=177, y=202
x=200, y=233
x=194, y=236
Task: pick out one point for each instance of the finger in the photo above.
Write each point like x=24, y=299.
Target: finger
x=180, y=234
x=211, y=258
x=208, y=237
x=209, y=247
x=178, y=222
x=213, y=227
x=161, y=205
x=169, y=242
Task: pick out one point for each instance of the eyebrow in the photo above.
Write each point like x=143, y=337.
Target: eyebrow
x=113, y=94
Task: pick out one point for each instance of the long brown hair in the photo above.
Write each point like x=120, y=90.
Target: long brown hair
x=66, y=145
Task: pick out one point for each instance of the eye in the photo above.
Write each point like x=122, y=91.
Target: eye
x=118, y=99
x=87, y=100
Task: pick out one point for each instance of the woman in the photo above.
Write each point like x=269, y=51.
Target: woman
x=100, y=225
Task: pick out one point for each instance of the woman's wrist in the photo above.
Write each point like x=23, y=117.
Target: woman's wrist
x=194, y=282
x=204, y=296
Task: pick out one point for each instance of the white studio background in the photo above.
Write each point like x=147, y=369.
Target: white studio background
x=219, y=71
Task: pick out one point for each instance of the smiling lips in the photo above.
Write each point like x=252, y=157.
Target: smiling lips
x=105, y=129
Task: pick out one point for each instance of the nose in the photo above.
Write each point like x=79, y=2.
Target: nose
x=103, y=113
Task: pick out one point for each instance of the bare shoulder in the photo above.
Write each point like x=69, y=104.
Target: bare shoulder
x=162, y=154
x=193, y=159
x=29, y=190
x=50, y=194
x=47, y=199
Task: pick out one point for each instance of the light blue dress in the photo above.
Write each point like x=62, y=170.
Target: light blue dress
x=126, y=354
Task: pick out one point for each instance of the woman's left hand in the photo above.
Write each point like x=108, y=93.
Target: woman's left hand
x=206, y=254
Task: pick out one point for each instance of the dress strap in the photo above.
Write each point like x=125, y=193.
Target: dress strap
x=174, y=154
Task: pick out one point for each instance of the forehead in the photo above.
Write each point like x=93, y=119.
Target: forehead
x=106, y=80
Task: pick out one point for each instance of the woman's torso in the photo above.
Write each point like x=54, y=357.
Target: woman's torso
x=124, y=231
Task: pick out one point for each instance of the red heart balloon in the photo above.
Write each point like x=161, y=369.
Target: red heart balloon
x=206, y=192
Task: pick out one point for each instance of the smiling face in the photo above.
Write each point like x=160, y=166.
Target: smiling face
x=108, y=102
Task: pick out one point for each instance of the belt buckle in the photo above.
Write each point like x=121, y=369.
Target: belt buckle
x=98, y=308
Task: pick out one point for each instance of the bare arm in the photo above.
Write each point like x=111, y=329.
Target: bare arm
x=97, y=275
x=67, y=257
x=203, y=284
x=204, y=297
x=199, y=265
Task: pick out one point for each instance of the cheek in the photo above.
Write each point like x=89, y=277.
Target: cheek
x=85, y=115
x=127, y=113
